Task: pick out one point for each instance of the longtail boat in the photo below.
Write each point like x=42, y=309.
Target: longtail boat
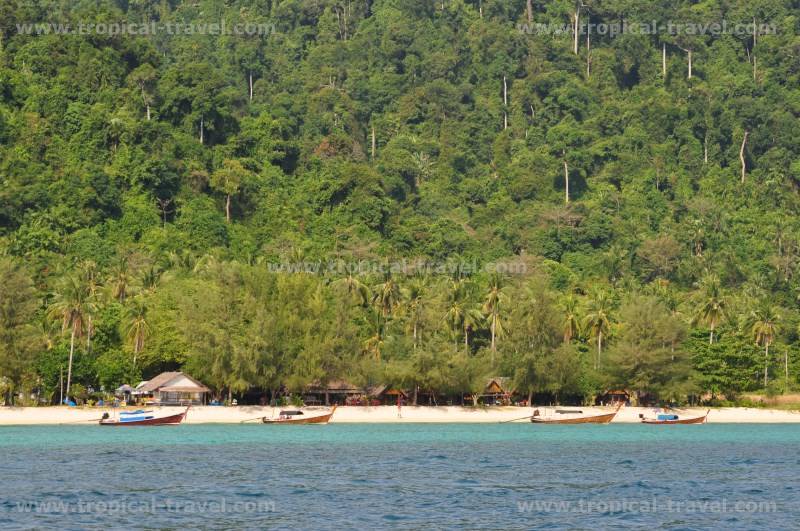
x=566, y=417
x=671, y=418
x=298, y=417
x=143, y=418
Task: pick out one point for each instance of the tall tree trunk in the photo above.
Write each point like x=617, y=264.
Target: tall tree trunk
x=530, y=397
x=505, y=103
x=466, y=339
x=599, y=348
x=705, y=147
x=711, y=335
x=588, y=55
x=494, y=328
x=250, y=76
x=786, y=369
x=373, y=143
x=566, y=181
x=755, y=38
x=69, y=365
x=690, y=65
x=201, y=129
x=576, y=29
x=415, y=336
x=415, y=396
x=529, y=6
x=766, y=363
x=228, y=208
x=230, y=395
x=741, y=155
x=664, y=60
x=147, y=106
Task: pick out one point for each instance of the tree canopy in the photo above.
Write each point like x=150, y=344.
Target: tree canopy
x=419, y=192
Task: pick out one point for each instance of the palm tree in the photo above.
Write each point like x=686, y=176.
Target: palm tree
x=74, y=307
x=353, y=288
x=182, y=260
x=492, y=304
x=460, y=313
x=137, y=328
x=763, y=327
x=90, y=274
x=598, y=320
x=374, y=344
x=150, y=278
x=713, y=307
x=120, y=280
x=387, y=296
x=46, y=332
x=454, y=312
x=472, y=320
x=415, y=296
x=569, y=320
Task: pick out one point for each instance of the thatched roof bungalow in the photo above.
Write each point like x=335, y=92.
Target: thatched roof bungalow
x=334, y=392
x=172, y=388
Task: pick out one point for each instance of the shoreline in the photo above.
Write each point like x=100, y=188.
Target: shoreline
x=60, y=415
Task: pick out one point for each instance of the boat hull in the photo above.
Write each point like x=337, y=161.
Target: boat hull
x=319, y=419
x=697, y=420
x=170, y=420
x=596, y=419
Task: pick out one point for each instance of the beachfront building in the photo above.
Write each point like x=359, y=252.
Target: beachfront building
x=171, y=389
x=339, y=392
x=385, y=395
x=614, y=397
x=498, y=391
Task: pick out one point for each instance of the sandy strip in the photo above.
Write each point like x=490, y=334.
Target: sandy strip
x=384, y=414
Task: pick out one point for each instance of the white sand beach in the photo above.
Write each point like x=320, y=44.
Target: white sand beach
x=385, y=414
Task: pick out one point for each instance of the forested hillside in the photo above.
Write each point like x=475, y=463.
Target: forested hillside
x=612, y=210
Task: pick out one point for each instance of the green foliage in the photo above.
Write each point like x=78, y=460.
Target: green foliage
x=203, y=175
x=18, y=340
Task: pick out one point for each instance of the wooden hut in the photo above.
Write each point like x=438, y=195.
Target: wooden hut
x=172, y=389
x=614, y=397
x=498, y=391
x=385, y=395
x=339, y=392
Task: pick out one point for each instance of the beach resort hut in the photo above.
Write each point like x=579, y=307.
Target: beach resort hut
x=172, y=389
x=498, y=391
x=613, y=397
x=339, y=392
x=385, y=395
x=124, y=392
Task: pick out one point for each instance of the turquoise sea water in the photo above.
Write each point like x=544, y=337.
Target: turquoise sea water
x=351, y=476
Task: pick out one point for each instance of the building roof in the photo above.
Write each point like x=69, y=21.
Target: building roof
x=335, y=386
x=172, y=382
x=498, y=385
x=379, y=390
